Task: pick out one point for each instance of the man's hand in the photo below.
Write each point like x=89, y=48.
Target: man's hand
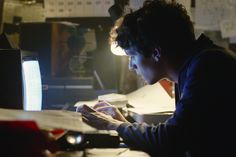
x=109, y=109
x=98, y=119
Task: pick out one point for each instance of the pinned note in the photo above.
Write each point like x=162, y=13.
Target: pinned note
x=228, y=28
x=232, y=40
x=209, y=13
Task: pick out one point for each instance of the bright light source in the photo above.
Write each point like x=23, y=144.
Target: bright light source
x=117, y=50
x=74, y=139
x=32, y=86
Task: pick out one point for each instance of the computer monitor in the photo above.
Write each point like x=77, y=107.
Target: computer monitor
x=32, y=84
x=11, y=83
x=20, y=81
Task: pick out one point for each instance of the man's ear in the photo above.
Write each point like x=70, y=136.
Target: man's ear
x=157, y=54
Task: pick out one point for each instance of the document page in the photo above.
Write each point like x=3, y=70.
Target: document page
x=48, y=119
x=151, y=99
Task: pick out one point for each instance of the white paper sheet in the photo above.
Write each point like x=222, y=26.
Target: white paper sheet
x=64, y=8
x=106, y=5
x=89, y=8
x=232, y=40
x=148, y=99
x=70, y=5
x=9, y=10
x=117, y=152
x=119, y=100
x=79, y=8
x=209, y=13
x=98, y=8
x=151, y=99
x=50, y=7
x=228, y=28
x=34, y=13
x=49, y=119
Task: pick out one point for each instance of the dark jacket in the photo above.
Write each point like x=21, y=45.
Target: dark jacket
x=202, y=124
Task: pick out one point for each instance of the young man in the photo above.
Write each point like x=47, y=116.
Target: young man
x=159, y=39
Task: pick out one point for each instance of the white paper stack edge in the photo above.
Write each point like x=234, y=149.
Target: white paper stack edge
x=119, y=100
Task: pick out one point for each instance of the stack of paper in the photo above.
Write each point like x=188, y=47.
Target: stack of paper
x=151, y=99
x=151, y=104
x=48, y=119
x=119, y=100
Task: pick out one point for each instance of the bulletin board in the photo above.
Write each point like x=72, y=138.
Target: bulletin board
x=77, y=8
x=217, y=16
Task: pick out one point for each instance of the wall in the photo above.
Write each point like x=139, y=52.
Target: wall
x=1, y=13
x=216, y=18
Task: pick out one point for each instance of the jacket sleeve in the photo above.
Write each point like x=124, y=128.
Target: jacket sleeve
x=159, y=140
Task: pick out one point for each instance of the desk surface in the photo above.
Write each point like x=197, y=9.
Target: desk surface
x=97, y=152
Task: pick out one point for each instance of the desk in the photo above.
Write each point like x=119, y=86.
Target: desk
x=109, y=152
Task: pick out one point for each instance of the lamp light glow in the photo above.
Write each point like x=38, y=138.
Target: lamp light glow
x=32, y=86
x=117, y=50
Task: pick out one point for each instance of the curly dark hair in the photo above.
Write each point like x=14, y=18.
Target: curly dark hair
x=159, y=23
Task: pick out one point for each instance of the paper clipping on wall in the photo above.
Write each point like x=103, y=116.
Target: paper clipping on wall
x=208, y=14
x=228, y=28
x=232, y=40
